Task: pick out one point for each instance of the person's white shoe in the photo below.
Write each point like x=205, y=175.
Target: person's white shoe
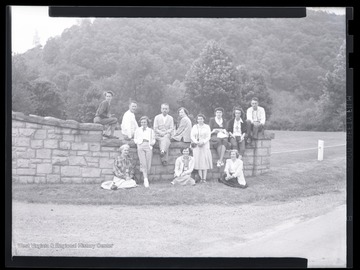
x=146, y=182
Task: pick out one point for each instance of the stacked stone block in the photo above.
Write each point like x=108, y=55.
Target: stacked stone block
x=50, y=150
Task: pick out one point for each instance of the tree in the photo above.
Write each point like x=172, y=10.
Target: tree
x=212, y=80
x=332, y=103
x=89, y=104
x=47, y=99
x=173, y=94
x=77, y=88
x=51, y=50
x=21, y=89
x=253, y=85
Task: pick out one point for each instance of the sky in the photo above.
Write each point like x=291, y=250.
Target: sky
x=26, y=21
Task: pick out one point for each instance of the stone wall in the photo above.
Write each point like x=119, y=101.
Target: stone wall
x=50, y=150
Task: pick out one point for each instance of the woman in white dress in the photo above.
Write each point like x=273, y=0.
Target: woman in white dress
x=184, y=165
x=233, y=173
x=200, y=137
x=124, y=171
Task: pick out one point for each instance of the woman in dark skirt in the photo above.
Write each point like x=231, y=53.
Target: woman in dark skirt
x=219, y=135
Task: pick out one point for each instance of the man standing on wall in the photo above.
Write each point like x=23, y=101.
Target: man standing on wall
x=255, y=120
x=164, y=129
x=104, y=117
x=128, y=123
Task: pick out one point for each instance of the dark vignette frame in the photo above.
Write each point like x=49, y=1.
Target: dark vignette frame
x=176, y=263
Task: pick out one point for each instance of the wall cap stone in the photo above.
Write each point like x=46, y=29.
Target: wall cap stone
x=52, y=121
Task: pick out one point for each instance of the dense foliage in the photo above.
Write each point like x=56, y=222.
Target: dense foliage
x=155, y=60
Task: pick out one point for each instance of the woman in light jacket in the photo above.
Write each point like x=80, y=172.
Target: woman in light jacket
x=183, y=131
x=233, y=173
x=184, y=165
x=200, y=137
x=144, y=138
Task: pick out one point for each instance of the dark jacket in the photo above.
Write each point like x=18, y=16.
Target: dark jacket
x=103, y=109
x=230, y=126
x=213, y=124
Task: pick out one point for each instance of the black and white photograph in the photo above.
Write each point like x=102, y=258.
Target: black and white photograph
x=179, y=137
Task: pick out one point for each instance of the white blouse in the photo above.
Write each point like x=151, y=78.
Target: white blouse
x=141, y=135
x=234, y=167
x=237, y=128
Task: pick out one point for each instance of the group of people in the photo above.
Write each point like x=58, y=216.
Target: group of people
x=224, y=135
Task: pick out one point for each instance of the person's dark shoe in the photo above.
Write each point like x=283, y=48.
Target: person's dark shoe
x=106, y=136
x=113, y=137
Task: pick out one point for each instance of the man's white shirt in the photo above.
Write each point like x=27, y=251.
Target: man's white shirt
x=258, y=115
x=129, y=124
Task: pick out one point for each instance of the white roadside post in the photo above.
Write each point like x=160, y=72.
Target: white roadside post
x=320, y=150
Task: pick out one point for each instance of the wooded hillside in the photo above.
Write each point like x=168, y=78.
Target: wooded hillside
x=289, y=62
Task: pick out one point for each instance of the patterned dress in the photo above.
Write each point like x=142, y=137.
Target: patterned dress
x=123, y=168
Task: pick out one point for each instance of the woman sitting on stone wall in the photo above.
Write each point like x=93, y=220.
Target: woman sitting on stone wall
x=219, y=135
x=184, y=165
x=183, y=131
x=123, y=169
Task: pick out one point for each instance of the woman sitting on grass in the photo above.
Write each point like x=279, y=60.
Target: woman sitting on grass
x=184, y=165
x=123, y=170
x=233, y=173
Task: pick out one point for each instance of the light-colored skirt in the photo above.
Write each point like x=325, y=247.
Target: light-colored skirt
x=118, y=183
x=202, y=158
x=183, y=181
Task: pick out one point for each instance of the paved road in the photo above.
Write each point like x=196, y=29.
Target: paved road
x=322, y=240
x=311, y=227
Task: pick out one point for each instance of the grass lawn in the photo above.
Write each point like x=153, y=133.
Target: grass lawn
x=294, y=140
x=292, y=175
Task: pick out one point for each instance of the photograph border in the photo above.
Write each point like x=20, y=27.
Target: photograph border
x=151, y=262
